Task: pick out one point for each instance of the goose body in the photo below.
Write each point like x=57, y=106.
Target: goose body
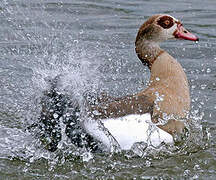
x=152, y=115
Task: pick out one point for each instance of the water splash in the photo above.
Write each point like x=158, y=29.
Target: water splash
x=50, y=50
x=47, y=52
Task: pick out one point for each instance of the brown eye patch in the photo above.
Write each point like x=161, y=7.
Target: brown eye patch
x=166, y=22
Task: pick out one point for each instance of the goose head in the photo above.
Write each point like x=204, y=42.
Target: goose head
x=156, y=29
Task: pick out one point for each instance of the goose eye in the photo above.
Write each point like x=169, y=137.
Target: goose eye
x=165, y=22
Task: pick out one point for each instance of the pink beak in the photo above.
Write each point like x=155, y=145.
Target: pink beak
x=182, y=33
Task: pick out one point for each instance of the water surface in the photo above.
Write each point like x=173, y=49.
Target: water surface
x=91, y=44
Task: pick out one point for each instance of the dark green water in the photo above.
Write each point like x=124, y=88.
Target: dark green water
x=91, y=43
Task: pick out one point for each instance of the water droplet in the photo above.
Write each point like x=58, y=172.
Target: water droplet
x=139, y=148
x=148, y=163
x=81, y=32
x=87, y=156
x=193, y=86
x=55, y=115
x=197, y=167
x=187, y=172
x=95, y=112
x=208, y=70
x=203, y=86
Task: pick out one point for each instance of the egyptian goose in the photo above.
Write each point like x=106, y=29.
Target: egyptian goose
x=161, y=107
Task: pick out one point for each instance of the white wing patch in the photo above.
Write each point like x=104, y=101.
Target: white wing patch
x=128, y=130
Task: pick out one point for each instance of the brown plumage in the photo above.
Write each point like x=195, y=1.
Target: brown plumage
x=167, y=97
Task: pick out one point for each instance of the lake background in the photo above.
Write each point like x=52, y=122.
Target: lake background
x=91, y=45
